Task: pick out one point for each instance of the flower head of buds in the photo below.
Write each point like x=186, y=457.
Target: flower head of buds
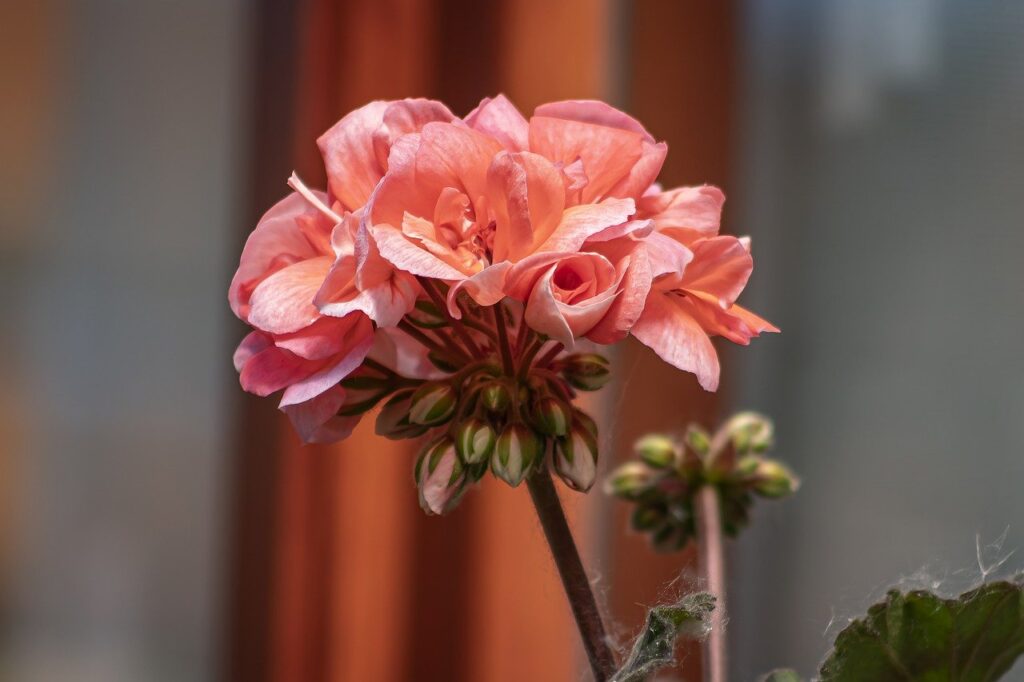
x=662, y=482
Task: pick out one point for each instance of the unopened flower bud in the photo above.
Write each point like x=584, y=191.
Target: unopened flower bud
x=553, y=417
x=658, y=451
x=698, y=440
x=474, y=441
x=427, y=315
x=647, y=517
x=773, y=479
x=576, y=459
x=393, y=419
x=517, y=450
x=495, y=397
x=440, y=477
x=586, y=421
x=432, y=404
x=750, y=432
x=630, y=481
x=586, y=371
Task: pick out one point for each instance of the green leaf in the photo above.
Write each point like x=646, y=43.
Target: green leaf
x=655, y=646
x=785, y=675
x=919, y=637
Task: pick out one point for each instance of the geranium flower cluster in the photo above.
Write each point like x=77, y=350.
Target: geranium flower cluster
x=452, y=267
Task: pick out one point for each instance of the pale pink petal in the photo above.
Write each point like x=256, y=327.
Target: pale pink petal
x=253, y=343
x=592, y=111
x=272, y=369
x=635, y=229
x=486, y=287
x=276, y=242
x=527, y=195
x=579, y=223
x=409, y=256
x=633, y=291
x=684, y=213
x=500, y=119
x=668, y=258
x=355, y=150
x=678, y=339
x=385, y=302
x=608, y=154
x=320, y=381
x=721, y=267
x=283, y=302
x=316, y=420
x=326, y=337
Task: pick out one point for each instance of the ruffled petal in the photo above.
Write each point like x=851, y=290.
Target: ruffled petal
x=500, y=119
x=579, y=223
x=678, y=339
x=283, y=302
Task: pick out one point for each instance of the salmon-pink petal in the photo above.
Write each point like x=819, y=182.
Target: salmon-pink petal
x=644, y=172
x=721, y=267
x=283, y=302
x=607, y=153
x=677, y=338
x=522, y=276
x=561, y=321
x=452, y=155
x=355, y=150
x=754, y=322
x=592, y=111
x=527, y=195
x=404, y=355
x=635, y=229
x=579, y=223
x=684, y=213
x=410, y=256
x=668, y=258
x=633, y=291
x=316, y=383
x=500, y=119
x=253, y=343
x=272, y=369
x=324, y=338
x=316, y=420
x=385, y=302
x=486, y=287
x=276, y=242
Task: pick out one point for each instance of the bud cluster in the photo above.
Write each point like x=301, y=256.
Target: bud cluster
x=482, y=418
x=664, y=478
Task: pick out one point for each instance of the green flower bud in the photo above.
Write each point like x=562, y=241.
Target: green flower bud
x=647, y=517
x=517, y=450
x=630, y=481
x=698, y=440
x=427, y=315
x=474, y=441
x=586, y=371
x=440, y=477
x=576, y=459
x=432, y=404
x=750, y=432
x=586, y=421
x=658, y=451
x=496, y=397
x=552, y=417
x=393, y=419
x=774, y=479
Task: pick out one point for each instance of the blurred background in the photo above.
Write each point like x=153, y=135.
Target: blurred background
x=157, y=524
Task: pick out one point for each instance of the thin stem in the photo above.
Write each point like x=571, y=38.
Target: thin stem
x=456, y=325
x=527, y=357
x=550, y=355
x=506, y=352
x=574, y=578
x=430, y=343
x=711, y=558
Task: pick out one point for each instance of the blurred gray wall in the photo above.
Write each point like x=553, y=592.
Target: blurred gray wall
x=882, y=176
x=117, y=298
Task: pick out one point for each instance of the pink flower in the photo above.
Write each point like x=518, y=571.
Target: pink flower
x=696, y=278
x=295, y=348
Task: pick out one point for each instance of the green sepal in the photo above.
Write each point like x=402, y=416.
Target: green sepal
x=655, y=647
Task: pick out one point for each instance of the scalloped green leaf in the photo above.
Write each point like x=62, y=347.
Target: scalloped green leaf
x=919, y=637
x=655, y=647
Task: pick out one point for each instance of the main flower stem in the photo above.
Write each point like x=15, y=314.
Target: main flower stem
x=503, y=347
x=574, y=578
x=711, y=558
